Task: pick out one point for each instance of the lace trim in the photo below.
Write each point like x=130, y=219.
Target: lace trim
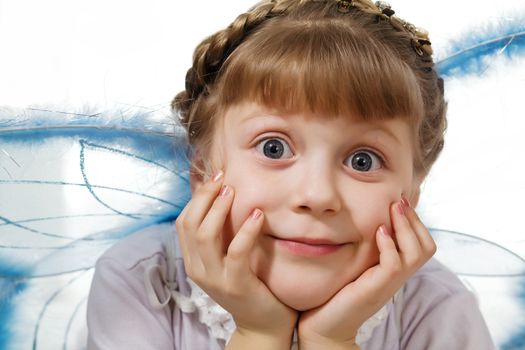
x=219, y=321
x=221, y=324
x=365, y=331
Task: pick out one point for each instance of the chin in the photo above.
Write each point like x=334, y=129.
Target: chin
x=303, y=296
x=303, y=303
x=303, y=284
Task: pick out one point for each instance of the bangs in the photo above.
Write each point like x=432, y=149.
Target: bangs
x=326, y=67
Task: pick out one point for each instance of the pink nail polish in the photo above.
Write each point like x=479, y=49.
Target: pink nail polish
x=224, y=190
x=383, y=230
x=217, y=176
x=256, y=213
x=400, y=208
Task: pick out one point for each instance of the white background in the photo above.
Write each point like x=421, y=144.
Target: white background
x=109, y=53
x=106, y=53
x=99, y=52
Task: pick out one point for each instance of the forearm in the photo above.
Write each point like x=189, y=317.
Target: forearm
x=242, y=339
x=328, y=347
x=327, y=344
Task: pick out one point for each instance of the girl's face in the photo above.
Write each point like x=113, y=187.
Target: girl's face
x=325, y=185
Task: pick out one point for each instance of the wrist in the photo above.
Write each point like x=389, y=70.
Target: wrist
x=318, y=343
x=248, y=339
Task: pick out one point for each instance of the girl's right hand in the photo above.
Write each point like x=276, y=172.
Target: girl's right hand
x=227, y=277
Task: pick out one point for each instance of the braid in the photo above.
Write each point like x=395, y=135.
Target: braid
x=434, y=124
x=214, y=50
x=210, y=55
x=204, y=95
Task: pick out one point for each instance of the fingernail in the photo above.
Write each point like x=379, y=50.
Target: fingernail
x=256, y=213
x=401, y=208
x=384, y=231
x=405, y=202
x=224, y=190
x=217, y=176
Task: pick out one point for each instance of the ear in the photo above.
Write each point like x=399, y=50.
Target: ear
x=201, y=170
x=203, y=166
x=414, y=196
x=195, y=181
x=197, y=177
x=415, y=191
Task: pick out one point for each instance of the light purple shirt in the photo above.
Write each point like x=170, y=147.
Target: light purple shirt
x=436, y=311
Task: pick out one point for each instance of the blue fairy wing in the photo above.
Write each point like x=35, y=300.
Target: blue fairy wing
x=71, y=187
x=495, y=274
x=469, y=255
x=476, y=186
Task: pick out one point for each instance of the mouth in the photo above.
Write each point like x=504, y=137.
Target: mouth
x=307, y=246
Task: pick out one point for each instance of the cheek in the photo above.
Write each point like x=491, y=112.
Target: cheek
x=248, y=196
x=371, y=207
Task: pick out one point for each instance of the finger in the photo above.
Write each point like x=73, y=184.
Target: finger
x=425, y=239
x=200, y=203
x=189, y=220
x=180, y=234
x=375, y=280
x=392, y=275
x=181, y=237
x=209, y=237
x=239, y=250
x=407, y=240
x=192, y=262
x=388, y=254
x=389, y=258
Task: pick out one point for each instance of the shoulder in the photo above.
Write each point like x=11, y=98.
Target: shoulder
x=119, y=313
x=435, y=279
x=142, y=253
x=440, y=312
x=434, y=287
x=126, y=306
x=141, y=246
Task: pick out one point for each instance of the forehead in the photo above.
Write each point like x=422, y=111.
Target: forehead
x=249, y=116
x=243, y=125
x=321, y=67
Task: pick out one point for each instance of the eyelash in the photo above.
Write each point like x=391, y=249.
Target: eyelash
x=375, y=154
x=261, y=142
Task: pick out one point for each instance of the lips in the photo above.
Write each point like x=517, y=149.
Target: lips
x=309, y=247
x=311, y=241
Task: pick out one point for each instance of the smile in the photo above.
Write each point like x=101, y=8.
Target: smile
x=308, y=248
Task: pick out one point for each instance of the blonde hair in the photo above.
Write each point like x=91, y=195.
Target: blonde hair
x=306, y=55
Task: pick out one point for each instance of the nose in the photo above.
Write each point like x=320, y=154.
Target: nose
x=316, y=191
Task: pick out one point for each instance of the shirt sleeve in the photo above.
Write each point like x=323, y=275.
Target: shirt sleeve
x=119, y=315
x=436, y=317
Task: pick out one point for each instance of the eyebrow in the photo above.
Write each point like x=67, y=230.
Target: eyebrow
x=259, y=115
x=263, y=114
x=389, y=133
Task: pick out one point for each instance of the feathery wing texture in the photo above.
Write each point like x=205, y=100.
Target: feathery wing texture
x=73, y=184
x=70, y=189
x=473, y=195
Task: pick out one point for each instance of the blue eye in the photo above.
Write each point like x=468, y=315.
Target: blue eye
x=364, y=161
x=274, y=148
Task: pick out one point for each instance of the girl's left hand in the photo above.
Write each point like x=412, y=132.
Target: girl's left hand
x=335, y=324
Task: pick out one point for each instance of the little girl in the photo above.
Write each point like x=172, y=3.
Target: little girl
x=312, y=124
